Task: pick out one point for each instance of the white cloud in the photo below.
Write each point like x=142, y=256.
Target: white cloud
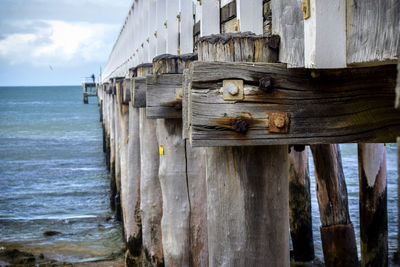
x=59, y=43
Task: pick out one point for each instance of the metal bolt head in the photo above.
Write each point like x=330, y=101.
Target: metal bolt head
x=265, y=83
x=279, y=122
x=232, y=89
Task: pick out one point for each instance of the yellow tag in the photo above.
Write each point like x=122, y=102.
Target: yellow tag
x=119, y=147
x=385, y=144
x=127, y=140
x=161, y=150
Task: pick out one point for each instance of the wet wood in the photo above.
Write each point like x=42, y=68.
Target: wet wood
x=161, y=98
x=150, y=192
x=373, y=204
x=247, y=195
x=372, y=31
x=328, y=106
x=185, y=111
x=176, y=207
x=337, y=233
x=196, y=181
x=113, y=183
x=300, y=206
x=288, y=23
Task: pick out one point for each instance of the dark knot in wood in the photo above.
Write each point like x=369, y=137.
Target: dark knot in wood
x=265, y=84
x=240, y=126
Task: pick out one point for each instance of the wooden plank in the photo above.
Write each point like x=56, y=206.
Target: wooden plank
x=288, y=23
x=185, y=111
x=126, y=91
x=209, y=22
x=340, y=106
x=151, y=31
x=325, y=35
x=372, y=31
x=161, y=30
x=161, y=100
x=138, y=94
x=250, y=16
x=172, y=10
x=186, y=27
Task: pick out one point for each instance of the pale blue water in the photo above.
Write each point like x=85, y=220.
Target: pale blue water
x=53, y=174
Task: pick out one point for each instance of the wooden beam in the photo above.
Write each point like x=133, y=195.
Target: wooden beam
x=372, y=31
x=138, y=95
x=329, y=106
x=250, y=16
x=325, y=35
x=397, y=101
x=228, y=12
x=161, y=98
x=126, y=91
x=209, y=22
x=288, y=23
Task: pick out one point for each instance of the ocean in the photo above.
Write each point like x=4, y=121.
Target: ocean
x=53, y=177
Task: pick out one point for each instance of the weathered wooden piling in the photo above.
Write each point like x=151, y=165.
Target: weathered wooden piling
x=373, y=204
x=300, y=205
x=337, y=233
x=113, y=183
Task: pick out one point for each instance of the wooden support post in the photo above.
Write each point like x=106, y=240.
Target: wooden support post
x=300, y=206
x=161, y=30
x=132, y=215
x=113, y=184
x=398, y=194
x=247, y=187
x=373, y=204
x=150, y=192
x=247, y=195
x=186, y=27
x=250, y=16
x=172, y=11
x=337, y=233
x=196, y=180
x=176, y=206
x=117, y=169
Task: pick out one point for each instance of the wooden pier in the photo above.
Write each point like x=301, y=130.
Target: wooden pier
x=202, y=102
x=89, y=89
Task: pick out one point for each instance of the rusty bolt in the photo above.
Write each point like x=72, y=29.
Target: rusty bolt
x=232, y=89
x=265, y=84
x=279, y=122
x=240, y=126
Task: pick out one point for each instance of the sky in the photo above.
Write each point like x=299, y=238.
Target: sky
x=56, y=42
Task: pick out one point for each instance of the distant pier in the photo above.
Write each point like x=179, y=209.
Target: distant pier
x=90, y=88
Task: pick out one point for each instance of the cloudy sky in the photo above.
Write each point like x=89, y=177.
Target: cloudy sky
x=56, y=42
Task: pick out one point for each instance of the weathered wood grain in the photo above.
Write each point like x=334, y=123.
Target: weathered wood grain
x=150, y=192
x=161, y=100
x=185, y=111
x=247, y=195
x=341, y=106
x=397, y=101
x=288, y=23
x=138, y=92
x=300, y=215
x=172, y=64
x=372, y=31
x=228, y=12
x=126, y=91
x=196, y=181
x=373, y=204
x=337, y=232
x=175, y=222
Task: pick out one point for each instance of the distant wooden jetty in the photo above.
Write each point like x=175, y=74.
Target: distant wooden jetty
x=202, y=102
x=89, y=88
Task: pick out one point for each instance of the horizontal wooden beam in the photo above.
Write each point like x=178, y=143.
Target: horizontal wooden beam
x=126, y=91
x=163, y=96
x=278, y=105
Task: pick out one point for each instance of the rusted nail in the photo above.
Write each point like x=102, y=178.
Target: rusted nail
x=265, y=84
x=232, y=89
x=240, y=126
x=278, y=122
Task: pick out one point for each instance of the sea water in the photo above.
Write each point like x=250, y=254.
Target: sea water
x=53, y=175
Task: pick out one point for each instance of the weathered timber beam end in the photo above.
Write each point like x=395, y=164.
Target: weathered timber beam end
x=164, y=89
x=141, y=70
x=337, y=232
x=233, y=104
x=163, y=96
x=138, y=92
x=373, y=204
x=126, y=91
x=239, y=47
